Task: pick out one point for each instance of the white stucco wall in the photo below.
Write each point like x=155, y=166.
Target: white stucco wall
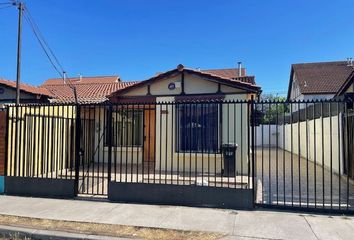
x=303, y=141
x=234, y=128
x=233, y=123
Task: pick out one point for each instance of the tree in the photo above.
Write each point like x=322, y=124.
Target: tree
x=273, y=108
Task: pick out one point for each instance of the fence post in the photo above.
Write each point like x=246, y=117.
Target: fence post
x=109, y=129
x=77, y=146
x=253, y=125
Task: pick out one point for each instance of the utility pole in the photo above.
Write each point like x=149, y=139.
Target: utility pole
x=19, y=39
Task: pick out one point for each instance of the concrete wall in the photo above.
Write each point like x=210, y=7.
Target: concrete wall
x=306, y=138
x=266, y=135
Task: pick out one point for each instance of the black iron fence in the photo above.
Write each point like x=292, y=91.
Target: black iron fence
x=291, y=154
x=180, y=143
x=41, y=141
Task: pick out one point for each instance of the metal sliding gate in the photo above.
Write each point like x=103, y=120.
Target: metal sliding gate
x=304, y=155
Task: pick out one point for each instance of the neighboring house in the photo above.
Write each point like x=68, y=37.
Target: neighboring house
x=28, y=93
x=88, y=89
x=348, y=87
x=319, y=81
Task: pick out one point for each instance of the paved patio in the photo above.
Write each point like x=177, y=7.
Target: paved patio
x=93, y=180
x=308, y=185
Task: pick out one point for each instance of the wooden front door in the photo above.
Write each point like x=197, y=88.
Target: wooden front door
x=149, y=135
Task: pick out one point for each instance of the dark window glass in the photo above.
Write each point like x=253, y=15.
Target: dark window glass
x=197, y=126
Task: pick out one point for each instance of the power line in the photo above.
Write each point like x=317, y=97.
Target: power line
x=45, y=47
x=43, y=39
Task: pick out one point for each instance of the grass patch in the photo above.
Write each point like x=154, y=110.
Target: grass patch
x=106, y=229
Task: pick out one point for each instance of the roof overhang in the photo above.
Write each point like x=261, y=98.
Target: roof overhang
x=180, y=70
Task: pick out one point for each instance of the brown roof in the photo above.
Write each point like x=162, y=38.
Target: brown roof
x=321, y=77
x=231, y=73
x=84, y=80
x=239, y=82
x=26, y=88
x=226, y=72
x=86, y=92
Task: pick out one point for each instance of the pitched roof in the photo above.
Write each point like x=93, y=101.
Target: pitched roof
x=226, y=72
x=26, y=88
x=346, y=84
x=239, y=82
x=88, y=89
x=83, y=80
x=320, y=77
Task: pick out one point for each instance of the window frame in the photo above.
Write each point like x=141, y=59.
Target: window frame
x=119, y=121
x=218, y=123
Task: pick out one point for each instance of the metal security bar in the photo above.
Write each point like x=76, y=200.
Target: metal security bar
x=182, y=143
x=304, y=155
x=40, y=141
x=291, y=154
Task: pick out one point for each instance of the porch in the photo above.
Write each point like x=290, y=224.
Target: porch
x=93, y=180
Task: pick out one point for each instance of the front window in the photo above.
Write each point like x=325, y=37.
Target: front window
x=197, y=128
x=127, y=127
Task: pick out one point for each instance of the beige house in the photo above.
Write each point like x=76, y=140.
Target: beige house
x=172, y=131
x=175, y=121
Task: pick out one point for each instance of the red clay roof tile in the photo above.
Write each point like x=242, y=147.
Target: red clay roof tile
x=86, y=93
x=83, y=80
x=26, y=87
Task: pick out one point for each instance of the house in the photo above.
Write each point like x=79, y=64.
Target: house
x=28, y=93
x=171, y=129
x=347, y=88
x=139, y=131
x=319, y=80
x=88, y=89
x=174, y=123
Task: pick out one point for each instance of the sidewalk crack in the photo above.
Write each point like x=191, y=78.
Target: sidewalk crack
x=234, y=226
x=311, y=227
x=254, y=237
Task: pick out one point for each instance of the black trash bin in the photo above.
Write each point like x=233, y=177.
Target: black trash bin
x=229, y=154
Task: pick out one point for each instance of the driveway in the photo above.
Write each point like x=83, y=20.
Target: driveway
x=288, y=180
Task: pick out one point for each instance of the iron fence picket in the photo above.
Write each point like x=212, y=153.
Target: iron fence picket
x=291, y=156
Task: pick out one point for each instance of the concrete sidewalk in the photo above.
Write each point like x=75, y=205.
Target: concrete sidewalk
x=234, y=224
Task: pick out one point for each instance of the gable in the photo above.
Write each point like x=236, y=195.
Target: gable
x=193, y=84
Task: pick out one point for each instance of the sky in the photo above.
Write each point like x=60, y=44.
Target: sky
x=135, y=39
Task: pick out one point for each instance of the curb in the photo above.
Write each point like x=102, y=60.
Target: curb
x=8, y=231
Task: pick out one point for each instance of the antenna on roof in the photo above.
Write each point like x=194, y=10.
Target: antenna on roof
x=350, y=62
x=80, y=77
